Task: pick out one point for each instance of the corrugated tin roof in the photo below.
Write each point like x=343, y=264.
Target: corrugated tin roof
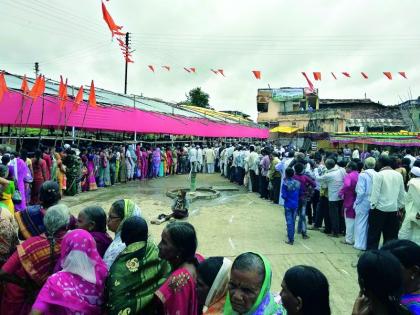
x=374, y=122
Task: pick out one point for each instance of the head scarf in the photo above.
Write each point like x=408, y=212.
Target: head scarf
x=415, y=171
x=265, y=304
x=220, y=284
x=79, y=286
x=117, y=246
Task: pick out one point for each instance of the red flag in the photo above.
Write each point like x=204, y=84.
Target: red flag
x=129, y=60
x=34, y=91
x=402, y=73
x=24, y=87
x=167, y=68
x=332, y=73
x=388, y=75
x=92, y=96
x=311, y=86
x=192, y=70
x=78, y=99
x=257, y=74
x=221, y=72
x=42, y=86
x=3, y=86
x=364, y=75
x=114, y=28
x=317, y=76
x=188, y=70
x=346, y=74
x=61, y=87
x=151, y=68
x=121, y=42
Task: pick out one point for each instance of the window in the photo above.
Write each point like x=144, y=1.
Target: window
x=262, y=107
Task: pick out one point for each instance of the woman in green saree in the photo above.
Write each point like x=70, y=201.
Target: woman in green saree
x=7, y=189
x=136, y=273
x=249, y=287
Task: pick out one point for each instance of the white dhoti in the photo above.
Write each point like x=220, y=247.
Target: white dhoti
x=349, y=230
x=361, y=228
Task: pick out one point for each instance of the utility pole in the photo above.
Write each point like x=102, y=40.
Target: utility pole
x=127, y=43
x=36, y=69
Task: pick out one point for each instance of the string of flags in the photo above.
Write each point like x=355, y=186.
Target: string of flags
x=116, y=31
x=317, y=75
x=38, y=90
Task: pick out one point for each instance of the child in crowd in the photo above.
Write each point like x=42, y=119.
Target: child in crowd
x=290, y=193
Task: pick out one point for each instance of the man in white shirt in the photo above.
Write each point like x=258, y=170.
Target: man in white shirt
x=210, y=159
x=199, y=159
x=192, y=156
x=387, y=198
x=334, y=179
x=356, y=153
x=252, y=165
x=409, y=156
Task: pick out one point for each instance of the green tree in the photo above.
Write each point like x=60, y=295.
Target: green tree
x=197, y=97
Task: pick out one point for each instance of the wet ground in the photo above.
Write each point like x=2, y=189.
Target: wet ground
x=236, y=222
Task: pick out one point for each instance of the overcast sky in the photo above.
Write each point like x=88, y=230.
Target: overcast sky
x=278, y=37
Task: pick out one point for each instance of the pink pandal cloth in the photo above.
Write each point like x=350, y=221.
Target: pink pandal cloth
x=178, y=294
x=348, y=193
x=66, y=292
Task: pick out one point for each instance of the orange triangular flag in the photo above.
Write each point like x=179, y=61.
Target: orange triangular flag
x=92, y=96
x=346, y=74
x=78, y=99
x=114, y=28
x=24, y=87
x=310, y=84
x=364, y=75
x=60, y=87
x=3, y=86
x=402, y=73
x=192, y=70
x=41, y=89
x=167, y=68
x=257, y=74
x=129, y=60
x=63, y=96
x=221, y=71
x=33, y=92
x=317, y=76
x=388, y=75
x=151, y=68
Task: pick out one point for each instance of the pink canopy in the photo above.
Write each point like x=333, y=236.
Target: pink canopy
x=115, y=119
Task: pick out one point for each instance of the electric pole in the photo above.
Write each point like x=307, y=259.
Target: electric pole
x=127, y=43
x=36, y=69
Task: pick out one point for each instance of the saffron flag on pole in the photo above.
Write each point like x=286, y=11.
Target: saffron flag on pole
x=24, y=87
x=167, y=68
x=311, y=86
x=192, y=70
x=388, y=75
x=92, y=96
x=402, y=73
x=3, y=86
x=34, y=91
x=221, y=71
x=317, y=76
x=364, y=75
x=114, y=28
x=346, y=74
x=63, y=96
x=257, y=74
x=151, y=68
x=78, y=99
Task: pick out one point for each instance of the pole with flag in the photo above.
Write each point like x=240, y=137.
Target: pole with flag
x=91, y=102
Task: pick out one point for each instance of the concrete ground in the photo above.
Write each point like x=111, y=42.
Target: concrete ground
x=237, y=222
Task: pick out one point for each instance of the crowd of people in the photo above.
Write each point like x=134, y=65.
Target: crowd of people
x=54, y=263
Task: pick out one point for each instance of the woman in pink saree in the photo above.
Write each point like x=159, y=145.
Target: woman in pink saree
x=144, y=163
x=178, y=294
x=78, y=288
x=348, y=193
